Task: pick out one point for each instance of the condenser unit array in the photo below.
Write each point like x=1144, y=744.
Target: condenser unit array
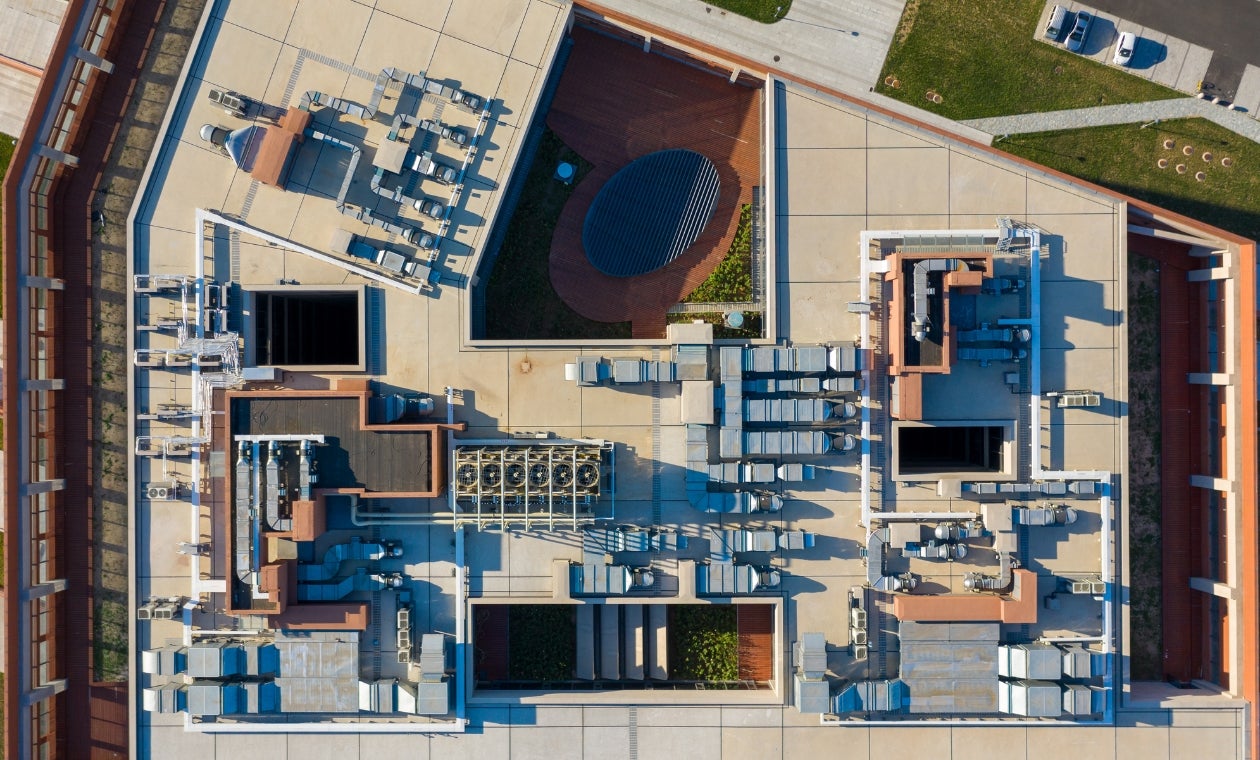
x=532, y=484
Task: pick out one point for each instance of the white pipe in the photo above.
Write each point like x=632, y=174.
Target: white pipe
x=462, y=650
x=327, y=259
x=889, y=516
x=356, y=726
x=408, y=518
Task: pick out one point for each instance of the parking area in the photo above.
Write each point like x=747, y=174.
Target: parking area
x=1222, y=71
x=1157, y=56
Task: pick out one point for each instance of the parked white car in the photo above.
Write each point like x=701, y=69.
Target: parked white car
x=1124, y=49
x=1080, y=31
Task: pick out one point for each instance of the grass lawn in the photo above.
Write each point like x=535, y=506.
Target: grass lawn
x=520, y=301
x=704, y=643
x=765, y=11
x=1124, y=158
x=982, y=59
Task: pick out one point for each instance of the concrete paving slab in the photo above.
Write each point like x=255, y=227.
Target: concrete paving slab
x=1248, y=95
x=1142, y=743
x=271, y=21
x=813, y=187
x=311, y=27
x=818, y=248
x=819, y=312
x=247, y=71
x=657, y=741
x=390, y=41
x=928, y=193
x=751, y=743
x=1045, y=197
x=1194, y=69
x=808, y=121
x=1075, y=741
x=981, y=186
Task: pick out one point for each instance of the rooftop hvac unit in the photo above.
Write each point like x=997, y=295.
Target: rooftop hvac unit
x=858, y=635
x=165, y=490
x=859, y=652
x=514, y=474
x=1090, y=586
x=466, y=474
x=1079, y=400
x=165, y=610
x=857, y=617
x=145, y=611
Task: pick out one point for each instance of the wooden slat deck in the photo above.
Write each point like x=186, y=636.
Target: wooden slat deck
x=755, y=626
x=490, y=639
x=615, y=104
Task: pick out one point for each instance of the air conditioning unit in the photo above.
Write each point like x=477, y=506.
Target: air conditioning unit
x=404, y=656
x=859, y=652
x=166, y=490
x=858, y=635
x=857, y=616
x=165, y=610
x=145, y=611
x=1090, y=586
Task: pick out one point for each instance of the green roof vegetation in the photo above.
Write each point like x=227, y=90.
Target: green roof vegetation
x=981, y=58
x=1126, y=158
x=732, y=280
x=520, y=300
x=704, y=643
x=542, y=641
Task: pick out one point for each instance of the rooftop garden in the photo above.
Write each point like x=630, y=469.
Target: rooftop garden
x=520, y=302
x=542, y=642
x=703, y=643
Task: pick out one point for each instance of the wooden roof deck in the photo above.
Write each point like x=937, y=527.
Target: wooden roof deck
x=614, y=104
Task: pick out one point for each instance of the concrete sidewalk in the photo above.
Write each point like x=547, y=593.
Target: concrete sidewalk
x=1128, y=113
x=835, y=43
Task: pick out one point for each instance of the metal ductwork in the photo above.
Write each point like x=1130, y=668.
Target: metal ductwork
x=999, y=583
x=922, y=290
x=356, y=550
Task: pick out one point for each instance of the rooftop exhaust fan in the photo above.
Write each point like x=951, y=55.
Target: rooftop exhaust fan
x=587, y=475
x=162, y=491
x=539, y=475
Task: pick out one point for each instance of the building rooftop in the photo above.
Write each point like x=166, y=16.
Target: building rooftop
x=910, y=487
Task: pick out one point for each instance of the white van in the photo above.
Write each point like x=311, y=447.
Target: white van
x=1054, y=27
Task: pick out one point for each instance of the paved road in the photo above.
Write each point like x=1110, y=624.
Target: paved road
x=835, y=43
x=1129, y=113
x=1230, y=27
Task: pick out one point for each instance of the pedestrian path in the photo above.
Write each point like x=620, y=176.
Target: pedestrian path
x=1128, y=113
